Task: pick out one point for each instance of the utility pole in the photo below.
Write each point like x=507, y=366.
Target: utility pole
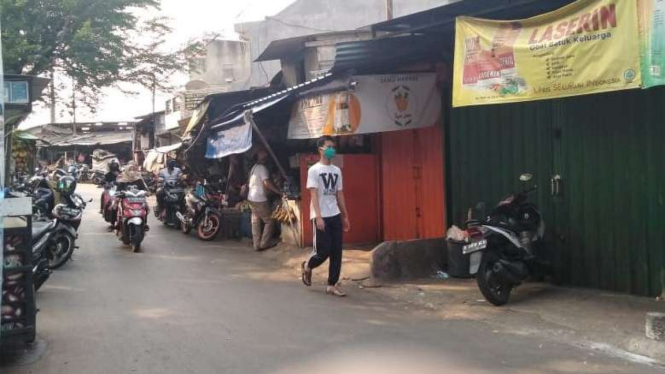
x=73, y=106
x=389, y=9
x=52, y=95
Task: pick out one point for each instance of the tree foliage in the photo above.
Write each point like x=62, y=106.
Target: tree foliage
x=97, y=43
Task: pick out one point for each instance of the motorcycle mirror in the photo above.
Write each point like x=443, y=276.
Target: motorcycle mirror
x=90, y=200
x=526, y=177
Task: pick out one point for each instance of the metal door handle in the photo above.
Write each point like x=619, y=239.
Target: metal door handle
x=552, y=187
x=556, y=185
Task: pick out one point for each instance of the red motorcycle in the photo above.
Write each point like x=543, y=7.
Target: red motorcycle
x=132, y=217
x=108, y=206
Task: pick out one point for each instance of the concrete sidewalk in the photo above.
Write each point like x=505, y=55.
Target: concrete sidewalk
x=604, y=321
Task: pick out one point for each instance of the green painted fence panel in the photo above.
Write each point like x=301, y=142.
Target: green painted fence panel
x=607, y=230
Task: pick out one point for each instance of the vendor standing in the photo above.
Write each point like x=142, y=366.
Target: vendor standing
x=259, y=185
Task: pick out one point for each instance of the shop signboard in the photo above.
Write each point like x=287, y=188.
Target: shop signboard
x=234, y=140
x=586, y=47
x=2, y=163
x=652, y=41
x=379, y=103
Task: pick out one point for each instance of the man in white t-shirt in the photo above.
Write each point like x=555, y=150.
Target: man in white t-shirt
x=329, y=215
x=259, y=185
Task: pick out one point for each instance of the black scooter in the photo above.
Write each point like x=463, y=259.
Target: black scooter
x=174, y=196
x=505, y=248
x=42, y=234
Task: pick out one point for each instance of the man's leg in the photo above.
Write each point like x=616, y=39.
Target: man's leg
x=256, y=225
x=321, y=251
x=269, y=225
x=334, y=228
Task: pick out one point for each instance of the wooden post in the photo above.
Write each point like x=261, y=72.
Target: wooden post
x=389, y=9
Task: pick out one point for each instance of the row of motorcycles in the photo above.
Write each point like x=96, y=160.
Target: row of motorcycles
x=54, y=223
x=127, y=211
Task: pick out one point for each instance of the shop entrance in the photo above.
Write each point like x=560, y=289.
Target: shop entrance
x=412, y=183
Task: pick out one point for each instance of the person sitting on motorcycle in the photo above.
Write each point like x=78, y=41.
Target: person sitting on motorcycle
x=131, y=176
x=110, y=177
x=114, y=172
x=168, y=176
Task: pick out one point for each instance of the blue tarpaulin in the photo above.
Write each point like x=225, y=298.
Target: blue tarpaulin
x=232, y=140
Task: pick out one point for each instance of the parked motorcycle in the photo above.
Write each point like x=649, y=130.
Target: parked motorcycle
x=68, y=216
x=174, y=195
x=504, y=248
x=73, y=170
x=97, y=178
x=200, y=213
x=43, y=197
x=132, y=216
x=42, y=232
x=84, y=173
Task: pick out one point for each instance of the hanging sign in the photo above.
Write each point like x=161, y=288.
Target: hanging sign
x=586, y=47
x=652, y=41
x=379, y=103
x=237, y=139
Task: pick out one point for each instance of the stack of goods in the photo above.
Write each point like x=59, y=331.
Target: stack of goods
x=21, y=153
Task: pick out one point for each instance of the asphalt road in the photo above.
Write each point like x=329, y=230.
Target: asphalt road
x=185, y=306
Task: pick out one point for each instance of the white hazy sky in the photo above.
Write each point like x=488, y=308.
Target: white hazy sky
x=189, y=19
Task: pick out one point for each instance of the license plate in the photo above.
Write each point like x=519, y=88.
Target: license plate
x=474, y=262
x=474, y=247
x=135, y=199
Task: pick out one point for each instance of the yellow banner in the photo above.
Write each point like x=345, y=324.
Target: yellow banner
x=586, y=47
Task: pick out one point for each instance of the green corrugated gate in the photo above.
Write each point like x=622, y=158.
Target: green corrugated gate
x=607, y=226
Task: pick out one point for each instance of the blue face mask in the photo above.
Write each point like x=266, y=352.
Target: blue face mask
x=329, y=153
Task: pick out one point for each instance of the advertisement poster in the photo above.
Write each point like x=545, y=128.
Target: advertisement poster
x=230, y=141
x=652, y=38
x=379, y=103
x=586, y=47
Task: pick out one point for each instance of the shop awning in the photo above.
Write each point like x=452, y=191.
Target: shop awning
x=169, y=148
x=219, y=106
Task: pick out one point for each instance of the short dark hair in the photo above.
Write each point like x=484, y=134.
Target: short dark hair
x=320, y=142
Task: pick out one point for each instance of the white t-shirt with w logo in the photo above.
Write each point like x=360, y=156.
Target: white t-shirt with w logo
x=327, y=179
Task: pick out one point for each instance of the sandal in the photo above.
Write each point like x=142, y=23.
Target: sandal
x=305, y=275
x=333, y=290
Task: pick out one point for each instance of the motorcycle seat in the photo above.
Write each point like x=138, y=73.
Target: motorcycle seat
x=39, y=228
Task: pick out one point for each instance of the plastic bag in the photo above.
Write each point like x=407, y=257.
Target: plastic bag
x=457, y=234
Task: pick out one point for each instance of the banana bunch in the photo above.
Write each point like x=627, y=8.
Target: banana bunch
x=284, y=215
x=20, y=154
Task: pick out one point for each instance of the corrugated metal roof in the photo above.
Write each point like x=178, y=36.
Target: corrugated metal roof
x=442, y=19
x=388, y=53
x=86, y=140
x=291, y=47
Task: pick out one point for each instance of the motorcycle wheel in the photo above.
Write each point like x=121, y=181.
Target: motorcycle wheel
x=61, y=250
x=209, y=231
x=496, y=291
x=137, y=238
